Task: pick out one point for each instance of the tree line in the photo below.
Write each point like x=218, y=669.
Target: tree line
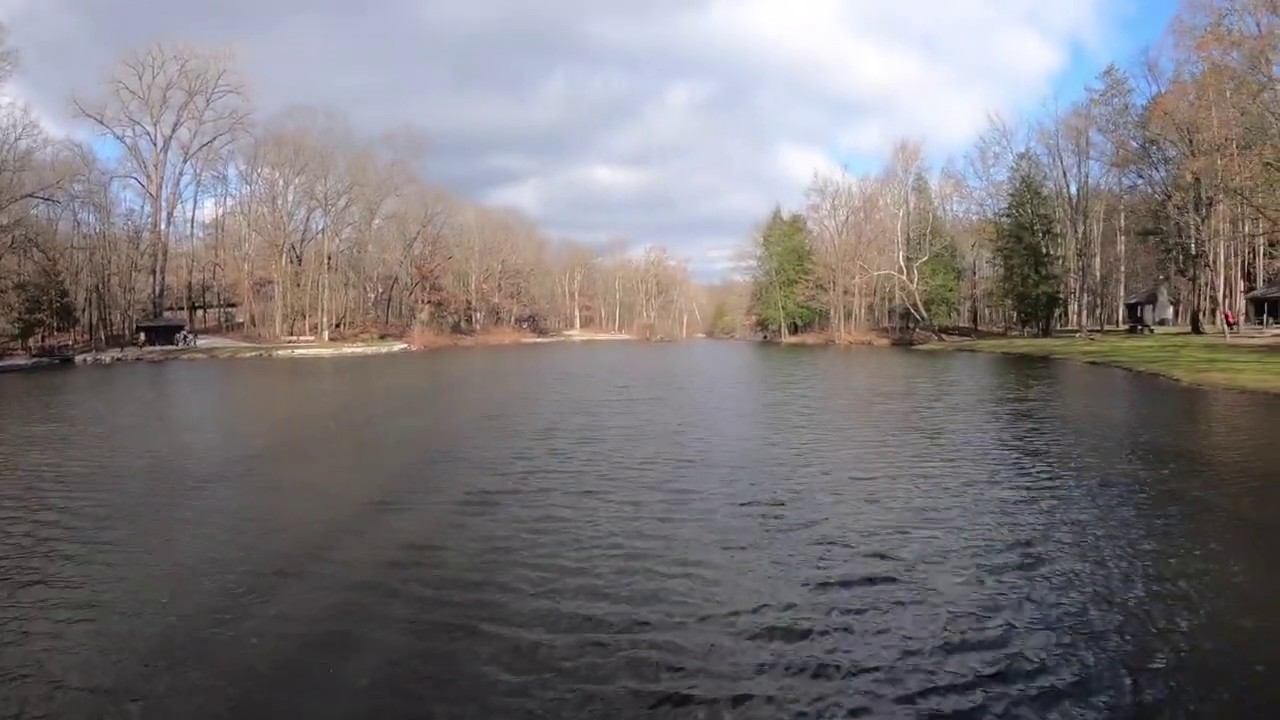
x=191, y=203
x=1164, y=170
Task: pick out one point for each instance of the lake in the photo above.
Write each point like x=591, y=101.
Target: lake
x=606, y=530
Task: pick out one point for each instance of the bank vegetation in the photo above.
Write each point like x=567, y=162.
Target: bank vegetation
x=189, y=202
x=1165, y=169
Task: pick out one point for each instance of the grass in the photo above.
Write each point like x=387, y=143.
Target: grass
x=1204, y=360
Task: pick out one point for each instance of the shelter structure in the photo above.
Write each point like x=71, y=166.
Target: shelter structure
x=159, y=331
x=1151, y=307
x=1264, y=305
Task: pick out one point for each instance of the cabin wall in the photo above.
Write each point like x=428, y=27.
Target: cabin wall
x=1268, y=308
x=1163, y=307
x=160, y=336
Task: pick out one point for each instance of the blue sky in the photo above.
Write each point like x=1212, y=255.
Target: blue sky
x=1132, y=27
x=1127, y=28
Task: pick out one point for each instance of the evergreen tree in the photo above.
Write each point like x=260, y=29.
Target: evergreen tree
x=42, y=305
x=1030, y=279
x=782, y=299
x=940, y=282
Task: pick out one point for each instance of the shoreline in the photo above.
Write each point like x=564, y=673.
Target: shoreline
x=238, y=350
x=579, y=336
x=1247, y=364
x=425, y=342
x=220, y=348
x=814, y=339
x=8, y=365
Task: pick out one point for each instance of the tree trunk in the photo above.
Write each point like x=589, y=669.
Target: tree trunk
x=191, y=252
x=1120, y=242
x=324, y=283
x=1221, y=277
x=1196, y=322
x=577, y=302
x=279, y=294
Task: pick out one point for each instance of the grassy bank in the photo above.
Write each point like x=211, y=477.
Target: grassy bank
x=1208, y=361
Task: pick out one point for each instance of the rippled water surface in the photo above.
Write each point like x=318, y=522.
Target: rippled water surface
x=701, y=530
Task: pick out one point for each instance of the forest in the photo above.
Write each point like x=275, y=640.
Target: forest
x=1163, y=170
x=192, y=204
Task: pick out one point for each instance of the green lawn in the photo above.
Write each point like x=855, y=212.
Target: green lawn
x=1206, y=360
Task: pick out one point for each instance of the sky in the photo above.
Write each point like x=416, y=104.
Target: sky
x=669, y=122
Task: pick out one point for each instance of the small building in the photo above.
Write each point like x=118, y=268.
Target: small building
x=1155, y=306
x=159, y=331
x=1264, y=305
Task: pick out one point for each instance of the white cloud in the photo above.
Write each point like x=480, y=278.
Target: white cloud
x=676, y=122
x=799, y=162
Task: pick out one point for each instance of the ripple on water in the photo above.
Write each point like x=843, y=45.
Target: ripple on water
x=701, y=531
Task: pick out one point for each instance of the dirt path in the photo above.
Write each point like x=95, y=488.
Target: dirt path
x=218, y=341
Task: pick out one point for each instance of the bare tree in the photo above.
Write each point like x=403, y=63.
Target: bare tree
x=168, y=108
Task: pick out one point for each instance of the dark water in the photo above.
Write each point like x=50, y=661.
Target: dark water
x=701, y=530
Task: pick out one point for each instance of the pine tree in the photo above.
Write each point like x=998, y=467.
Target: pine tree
x=43, y=305
x=1030, y=279
x=783, y=299
x=940, y=282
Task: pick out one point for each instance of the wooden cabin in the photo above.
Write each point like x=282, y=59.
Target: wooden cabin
x=159, y=331
x=1264, y=305
x=1151, y=307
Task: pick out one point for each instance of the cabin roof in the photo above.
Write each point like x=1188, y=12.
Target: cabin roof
x=161, y=323
x=181, y=307
x=1270, y=292
x=1146, y=297
x=1150, y=296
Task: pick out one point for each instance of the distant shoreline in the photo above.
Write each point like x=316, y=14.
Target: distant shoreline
x=1245, y=362
x=432, y=341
